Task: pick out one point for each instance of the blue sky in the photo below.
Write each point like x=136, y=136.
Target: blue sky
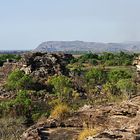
x=24, y=24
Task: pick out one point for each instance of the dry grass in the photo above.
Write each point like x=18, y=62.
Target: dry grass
x=11, y=129
x=86, y=133
x=60, y=111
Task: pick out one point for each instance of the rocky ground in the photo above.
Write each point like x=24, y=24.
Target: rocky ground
x=116, y=122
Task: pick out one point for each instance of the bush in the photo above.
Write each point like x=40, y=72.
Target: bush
x=86, y=133
x=62, y=86
x=18, y=106
x=127, y=86
x=116, y=74
x=18, y=80
x=22, y=102
x=96, y=75
x=60, y=111
x=4, y=57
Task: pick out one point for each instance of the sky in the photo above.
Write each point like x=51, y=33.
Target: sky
x=24, y=24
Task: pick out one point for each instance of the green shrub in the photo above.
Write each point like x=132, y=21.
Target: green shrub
x=62, y=86
x=116, y=74
x=127, y=86
x=18, y=80
x=96, y=75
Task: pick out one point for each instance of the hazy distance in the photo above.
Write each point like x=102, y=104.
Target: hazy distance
x=25, y=24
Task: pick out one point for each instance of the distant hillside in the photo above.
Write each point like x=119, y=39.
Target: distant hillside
x=54, y=46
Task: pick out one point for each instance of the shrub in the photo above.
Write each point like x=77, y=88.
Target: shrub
x=96, y=75
x=60, y=111
x=18, y=80
x=116, y=74
x=21, y=103
x=127, y=86
x=4, y=57
x=86, y=133
x=16, y=107
x=62, y=86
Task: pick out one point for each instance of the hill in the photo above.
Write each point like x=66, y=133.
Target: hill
x=56, y=46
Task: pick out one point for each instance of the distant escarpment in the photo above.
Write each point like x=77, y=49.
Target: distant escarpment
x=56, y=46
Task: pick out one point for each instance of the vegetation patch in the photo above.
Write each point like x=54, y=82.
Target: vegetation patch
x=87, y=133
x=60, y=111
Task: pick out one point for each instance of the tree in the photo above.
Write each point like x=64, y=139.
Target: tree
x=22, y=99
x=20, y=105
x=96, y=75
x=19, y=80
x=116, y=74
x=62, y=86
x=127, y=86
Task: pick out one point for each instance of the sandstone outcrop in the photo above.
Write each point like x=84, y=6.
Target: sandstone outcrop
x=39, y=65
x=42, y=65
x=117, y=122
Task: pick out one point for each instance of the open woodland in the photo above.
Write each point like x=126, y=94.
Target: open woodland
x=59, y=96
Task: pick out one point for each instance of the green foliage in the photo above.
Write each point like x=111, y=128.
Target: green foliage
x=126, y=85
x=96, y=75
x=4, y=57
x=93, y=61
x=23, y=99
x=18, y=80
x=116, y=74
x=62, y=86
x=17, y=106
x=106, y=58
x=76, y=69
x=116, y=59
x=87, y=57
x=110, y=89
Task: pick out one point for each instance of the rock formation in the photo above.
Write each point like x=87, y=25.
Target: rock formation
x=117, y=122
x=42, y=65
x=137, y=63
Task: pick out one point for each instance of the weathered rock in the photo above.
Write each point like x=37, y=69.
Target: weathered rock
x=42, y=65
x=117, y=122
x=31, y=134
x=38, y=65
x=5, y=94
